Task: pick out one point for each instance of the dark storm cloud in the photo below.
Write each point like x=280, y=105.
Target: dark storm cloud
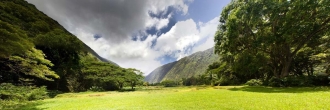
x=112, y=19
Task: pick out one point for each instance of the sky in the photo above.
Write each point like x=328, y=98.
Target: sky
x=141, y=34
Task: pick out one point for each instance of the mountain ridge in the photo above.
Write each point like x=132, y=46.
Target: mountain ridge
x=192, y=65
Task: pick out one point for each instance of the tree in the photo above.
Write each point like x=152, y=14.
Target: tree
x=12, y=40
x=134, y=77
x=21, y=68
x=276, y=29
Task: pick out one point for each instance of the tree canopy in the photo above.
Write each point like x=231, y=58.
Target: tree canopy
x=273, y=37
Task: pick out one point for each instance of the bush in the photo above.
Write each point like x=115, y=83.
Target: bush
x=168, y=83
x=298, y=81
x=10, y=105
x=12, y=96
x=96, y=89
x=227, y=80
x=38, y=93
x=320, y=80
x=254, y=82
x=275, y=82
x=53, y=93
x=22, y=93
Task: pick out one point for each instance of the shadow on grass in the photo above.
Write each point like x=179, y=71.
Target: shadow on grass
x=54, y=93
x=32, y=106
x=280, y=90
x=126, y=90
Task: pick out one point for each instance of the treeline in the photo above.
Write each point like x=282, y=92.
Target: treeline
x=35, y=51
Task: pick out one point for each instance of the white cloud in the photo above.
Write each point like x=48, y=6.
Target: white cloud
x=157, y=6
x=158, y=23
x=116, y=21
x=207, y=31
x=138, y=54
x=185, y=34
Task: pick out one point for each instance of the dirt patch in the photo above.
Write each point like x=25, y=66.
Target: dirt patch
x=96, y=95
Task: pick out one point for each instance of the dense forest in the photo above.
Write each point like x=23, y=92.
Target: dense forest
x=36, y=51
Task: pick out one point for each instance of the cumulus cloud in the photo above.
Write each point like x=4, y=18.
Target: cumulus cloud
x=117, y=20
x=207, y=31
x=186, y=34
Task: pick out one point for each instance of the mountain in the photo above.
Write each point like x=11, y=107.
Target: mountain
x=98, y=56
x=40, y=30
x=37, y=50
x=159, y=73
x=193, y=65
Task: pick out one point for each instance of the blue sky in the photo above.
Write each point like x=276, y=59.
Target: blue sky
x=204, y=10
x=141, y=34
x=199, y=11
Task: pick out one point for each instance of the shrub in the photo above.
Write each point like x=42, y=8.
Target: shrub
x=254, y=82
x=168, y=83
x=10, y=105
x=96, y=89
x=38, y=93
x=227, y=80
x=53, y=93
x=12, y=96
x=320, y=80
x=275, y=82
x=22, y=93
x=298, y=81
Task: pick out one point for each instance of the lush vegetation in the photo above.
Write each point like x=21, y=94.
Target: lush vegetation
x=38, y=56
x=281, y=42
x=278, y=43
x=194, y=98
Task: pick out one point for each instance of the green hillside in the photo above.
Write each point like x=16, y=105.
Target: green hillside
x=36, y=50
x=159, y=73
x=193, y=65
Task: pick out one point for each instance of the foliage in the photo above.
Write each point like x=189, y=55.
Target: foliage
x=96, y=89
x=22, y=68
x=107, y=75
x=169, y=83
x=12, y=96
x=12, y=40
x=36, y=50
x=22, y=93
x=298, y=81
x=254, y=82
x=282, y=39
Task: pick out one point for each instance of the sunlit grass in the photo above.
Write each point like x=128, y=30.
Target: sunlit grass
x=197, y=98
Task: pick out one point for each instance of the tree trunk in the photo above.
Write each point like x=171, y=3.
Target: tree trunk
x=286, y=67
x=276, y=74
x=132, y=85
x=120, y=86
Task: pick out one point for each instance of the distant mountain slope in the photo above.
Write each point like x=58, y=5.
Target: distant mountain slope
x=98, y=56
x=159, y=73
x=193, y=65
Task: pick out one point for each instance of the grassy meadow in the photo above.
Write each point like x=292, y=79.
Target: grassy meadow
x=192, y=98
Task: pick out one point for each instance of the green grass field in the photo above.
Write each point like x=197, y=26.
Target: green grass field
x=188, y=98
